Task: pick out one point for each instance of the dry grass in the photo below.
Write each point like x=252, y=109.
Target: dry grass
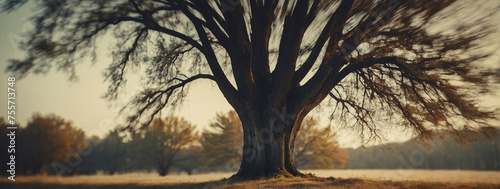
x=350, y=183
x=455, y=176
x=349, y=179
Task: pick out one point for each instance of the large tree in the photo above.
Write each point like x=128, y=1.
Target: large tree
x=274, y=61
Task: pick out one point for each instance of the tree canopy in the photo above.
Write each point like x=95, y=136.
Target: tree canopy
x=317, y=148
x=223, y=141
x=162, y=142
x=379, y=62
x=48, y=139
x=112, y=151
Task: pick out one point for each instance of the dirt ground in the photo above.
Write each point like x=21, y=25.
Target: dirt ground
x=327, y=179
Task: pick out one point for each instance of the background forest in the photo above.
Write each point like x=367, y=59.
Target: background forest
x=52, y=145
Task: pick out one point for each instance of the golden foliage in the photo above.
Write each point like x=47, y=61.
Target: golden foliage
x=47, y=139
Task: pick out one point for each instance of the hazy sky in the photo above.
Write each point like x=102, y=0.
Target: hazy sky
x=80, y=101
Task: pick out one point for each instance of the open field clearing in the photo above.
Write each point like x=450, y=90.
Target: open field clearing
x=461, y=176
x=341, y=179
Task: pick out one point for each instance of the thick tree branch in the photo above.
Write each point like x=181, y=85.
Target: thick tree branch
x=332, y=31
x=293, y=32
x=328, y=74
x=211, y=16
x=240, y=53
x=379, y=17
x=225, y=86
x=261, y=32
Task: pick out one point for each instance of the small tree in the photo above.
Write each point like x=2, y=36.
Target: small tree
x=47, y=139
x=317, y=148
x=163, y=140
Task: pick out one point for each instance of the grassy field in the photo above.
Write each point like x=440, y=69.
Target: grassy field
x=326, y=179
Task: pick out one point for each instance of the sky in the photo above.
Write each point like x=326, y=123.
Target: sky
x=81, y=101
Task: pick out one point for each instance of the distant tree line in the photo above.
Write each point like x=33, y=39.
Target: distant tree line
x=483, y=154
x=52, y=145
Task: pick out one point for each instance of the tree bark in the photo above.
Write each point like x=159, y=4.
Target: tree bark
x=268, y=146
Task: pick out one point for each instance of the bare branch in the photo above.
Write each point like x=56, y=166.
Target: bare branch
x=156, y=100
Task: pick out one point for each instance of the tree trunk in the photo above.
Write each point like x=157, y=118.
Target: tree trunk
x=268, y=147
x=163, y=170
